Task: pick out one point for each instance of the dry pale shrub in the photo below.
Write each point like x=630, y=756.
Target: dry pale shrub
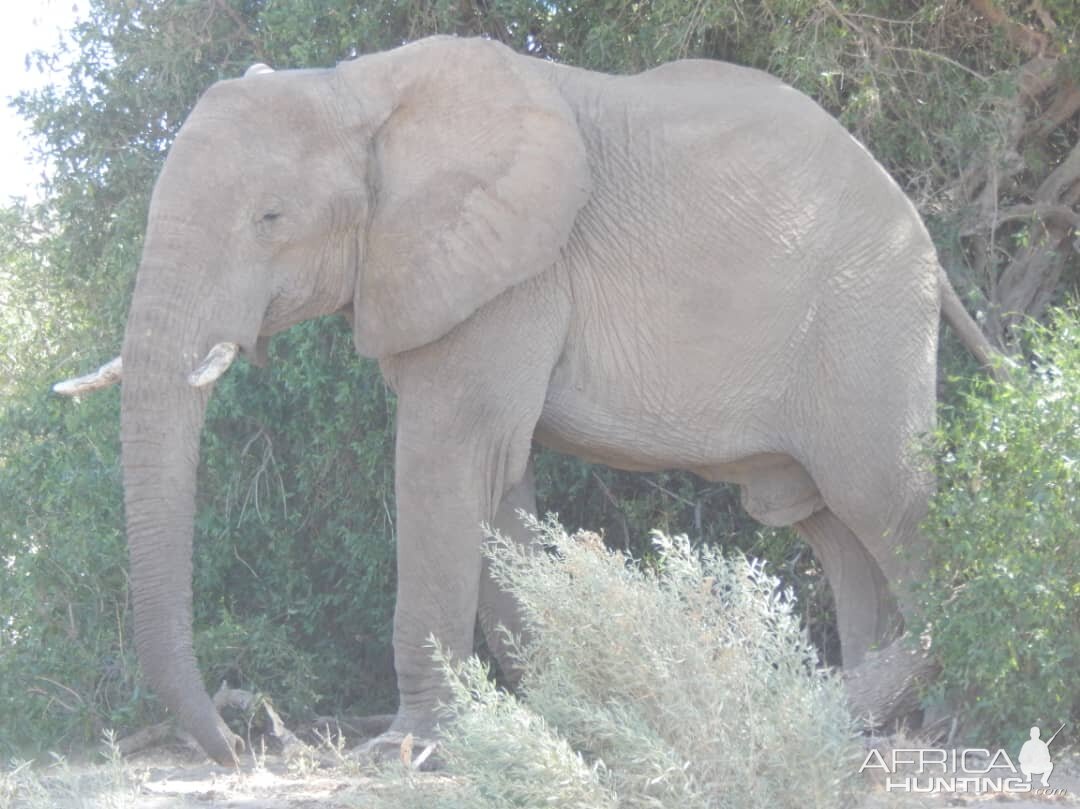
x=681, y=681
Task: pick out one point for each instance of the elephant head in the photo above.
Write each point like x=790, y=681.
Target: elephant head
x=404, y=189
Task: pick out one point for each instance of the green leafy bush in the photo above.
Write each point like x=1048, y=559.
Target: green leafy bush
x=66, y=659
x=1003, y=591
x=296, y=524
x=686, y=683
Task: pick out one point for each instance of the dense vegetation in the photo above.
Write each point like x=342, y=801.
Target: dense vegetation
x=1003, y=592
x=971, y=104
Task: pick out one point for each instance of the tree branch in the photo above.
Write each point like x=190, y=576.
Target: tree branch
x=1042, y=212
x=1026, y=39
x=1064, y=106
x=1062, y=178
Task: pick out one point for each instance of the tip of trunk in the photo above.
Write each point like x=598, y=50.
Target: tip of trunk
x=222, y=745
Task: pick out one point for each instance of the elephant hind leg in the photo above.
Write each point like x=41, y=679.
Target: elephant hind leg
x=499, y=609
x=867, y=615
x=870, y=545
x=777, y=490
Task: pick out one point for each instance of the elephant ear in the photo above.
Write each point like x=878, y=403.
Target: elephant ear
x=479, y=172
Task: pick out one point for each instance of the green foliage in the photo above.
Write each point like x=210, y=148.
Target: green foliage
x=297, y=511
x=684, y=683
x=1002, y=595
x=66, y=666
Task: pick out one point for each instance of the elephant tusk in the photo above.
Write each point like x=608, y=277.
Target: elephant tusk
x=217, y=362
x=108, y=374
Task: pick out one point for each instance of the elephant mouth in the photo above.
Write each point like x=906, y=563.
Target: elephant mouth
x=257, y=355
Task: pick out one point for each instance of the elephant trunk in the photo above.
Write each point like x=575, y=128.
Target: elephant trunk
x=161, y=420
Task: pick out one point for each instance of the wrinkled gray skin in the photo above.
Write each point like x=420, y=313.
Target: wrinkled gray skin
x=692, y=268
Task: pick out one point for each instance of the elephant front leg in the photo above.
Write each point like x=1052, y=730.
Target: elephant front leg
x=449, y=484
x=440, y=511
x=467, y=409
x=498, y=610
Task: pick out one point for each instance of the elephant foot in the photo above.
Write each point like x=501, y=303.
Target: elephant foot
x=411, y=740
x=414, y=752
x=942, y=724
x=886, y=685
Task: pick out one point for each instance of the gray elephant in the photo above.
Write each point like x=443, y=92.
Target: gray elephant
x=692, y=268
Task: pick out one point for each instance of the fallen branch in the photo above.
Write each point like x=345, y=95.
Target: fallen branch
x=248, y=703
x=148, y=737
x=244, y=701
x=361, y=727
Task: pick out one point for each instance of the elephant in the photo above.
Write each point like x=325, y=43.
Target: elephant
x=695, y=268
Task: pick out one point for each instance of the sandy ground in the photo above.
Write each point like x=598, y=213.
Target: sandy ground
x=176, y=779
x=269, y=786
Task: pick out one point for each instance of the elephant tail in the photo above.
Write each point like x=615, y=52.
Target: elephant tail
x=997, y=364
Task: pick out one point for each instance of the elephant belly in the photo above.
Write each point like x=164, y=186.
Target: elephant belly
x=600, y=437
x=774, y=488
x=628, y=434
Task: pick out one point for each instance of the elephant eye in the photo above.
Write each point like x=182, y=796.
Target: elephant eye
x=264, y=225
